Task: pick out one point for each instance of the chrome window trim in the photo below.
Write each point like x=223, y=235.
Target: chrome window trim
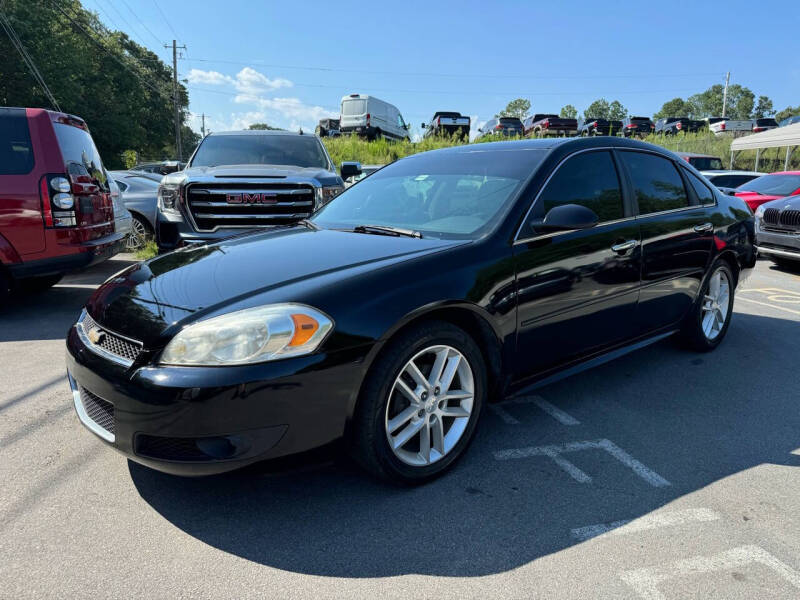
x=82, y=414
x=99, y=350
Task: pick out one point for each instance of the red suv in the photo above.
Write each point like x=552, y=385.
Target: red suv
x=56, y=211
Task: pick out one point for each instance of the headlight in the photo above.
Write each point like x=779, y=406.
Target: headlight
x=249, y=336
x=760, y=211
x=168, y=195
x=328, y=193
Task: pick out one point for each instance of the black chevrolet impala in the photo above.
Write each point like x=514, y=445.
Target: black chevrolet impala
x=390, y=318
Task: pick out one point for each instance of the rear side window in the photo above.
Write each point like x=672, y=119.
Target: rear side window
x=657, y=183
x=705, y=195
x=731, y=181
x=80, y=153
x=588, y=179
x=16, y=151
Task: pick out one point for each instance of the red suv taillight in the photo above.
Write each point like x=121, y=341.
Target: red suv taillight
x=58, y=203
x=679, y=126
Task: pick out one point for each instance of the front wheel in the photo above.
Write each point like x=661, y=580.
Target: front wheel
x=709, y=321
x=140, y=233
x=420, y=404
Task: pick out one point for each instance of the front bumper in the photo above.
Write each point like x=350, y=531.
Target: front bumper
x=207, y=420
x=779, y=244
x=174, y=232
x=85, y=255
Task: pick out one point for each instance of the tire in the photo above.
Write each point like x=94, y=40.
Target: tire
x=381, y=402
x=702, y=330
x=39, y=284
x=140, y=233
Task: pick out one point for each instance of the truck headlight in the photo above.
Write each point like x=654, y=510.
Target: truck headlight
x=249, y=336
x=168, y=196
x=327, y=193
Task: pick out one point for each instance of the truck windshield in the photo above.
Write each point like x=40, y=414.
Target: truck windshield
x=295, y=150
x=773, y=185
x=449, y=195
x=79, y=153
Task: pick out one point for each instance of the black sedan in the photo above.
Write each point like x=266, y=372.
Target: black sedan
x=395, y=313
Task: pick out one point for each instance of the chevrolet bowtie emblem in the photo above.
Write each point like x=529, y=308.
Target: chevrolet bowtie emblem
x=96, y=335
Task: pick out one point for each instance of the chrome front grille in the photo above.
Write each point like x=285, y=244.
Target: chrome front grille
x=100, y=411
x=245, y=205
x=109, y=344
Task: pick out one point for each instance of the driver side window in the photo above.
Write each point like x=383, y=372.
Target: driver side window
x=588, y=179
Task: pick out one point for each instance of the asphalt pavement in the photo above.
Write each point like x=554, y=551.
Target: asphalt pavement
x=663, y=474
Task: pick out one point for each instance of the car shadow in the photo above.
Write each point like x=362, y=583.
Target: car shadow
x=47, y=315
x=694, y=419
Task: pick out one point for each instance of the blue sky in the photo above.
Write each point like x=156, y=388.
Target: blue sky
x=289, y=63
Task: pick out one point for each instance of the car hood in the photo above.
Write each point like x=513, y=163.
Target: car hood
x=787, y=203
x=190, y=283
x=245, y=171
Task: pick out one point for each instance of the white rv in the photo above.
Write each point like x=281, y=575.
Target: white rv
x=372, y=118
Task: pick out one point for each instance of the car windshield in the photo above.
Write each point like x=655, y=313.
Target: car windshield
x=773, y=185
x=705, y=163
x=295, y=150
x=454, y=195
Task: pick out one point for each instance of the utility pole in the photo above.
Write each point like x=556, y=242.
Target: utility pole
x=203, y=126
x=725, y=93
x=178, y=147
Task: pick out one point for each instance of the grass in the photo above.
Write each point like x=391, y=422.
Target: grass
x=385, y=151
x=149, y=250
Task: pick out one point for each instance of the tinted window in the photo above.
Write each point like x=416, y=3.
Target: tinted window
x=657, y=183
x=705, y=195
x=774, y=185
x=589, y=179
x=731, y=181
x=79, y=152
x=16, y=152
x=445, y=195
x=122, y=185
x=705, y=163
x=295, y=150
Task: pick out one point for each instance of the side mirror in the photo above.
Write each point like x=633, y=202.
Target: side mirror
x=350, y=169
x=568, y=216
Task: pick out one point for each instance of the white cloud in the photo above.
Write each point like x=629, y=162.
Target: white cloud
x=287, y=108
x=246, y=81
x=208, y=77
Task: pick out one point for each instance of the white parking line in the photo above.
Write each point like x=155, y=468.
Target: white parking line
x=646, y=523
x=555, y=452
x=555, y=412
x=645, y=581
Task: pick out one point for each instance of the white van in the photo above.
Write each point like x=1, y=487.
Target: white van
x=372, y=118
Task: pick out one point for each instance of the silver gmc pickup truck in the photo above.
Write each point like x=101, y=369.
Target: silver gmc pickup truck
x=242, y=180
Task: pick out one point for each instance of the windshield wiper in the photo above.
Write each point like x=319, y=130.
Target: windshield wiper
x=386, y=230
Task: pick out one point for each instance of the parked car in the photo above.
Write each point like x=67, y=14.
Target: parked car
x=543, y=125
x=372, y=118
x=702, y=162
x=760, y=125
x=241, y=180
x=403, y=306
x=637, y=126
x=123, y=220
x=778, y=231
x=600, y=127
x=769, y=187
x=727, y=181
x=328, y=128
x=447, y=123
x=140, y=196
x=789, y=121
x=56, y=210
x=366, y=170
x=505, y=126
x=675, y=125
x=165, y=167
x=733, y=127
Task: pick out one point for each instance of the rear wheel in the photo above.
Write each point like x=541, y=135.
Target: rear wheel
x=420, y=404
x=709, y=321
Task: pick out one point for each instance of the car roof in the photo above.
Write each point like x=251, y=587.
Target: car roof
x=694, y=155
x=257, y=132
x=730, y=172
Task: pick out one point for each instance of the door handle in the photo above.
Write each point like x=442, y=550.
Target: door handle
x=705, y=227
x=623, y=247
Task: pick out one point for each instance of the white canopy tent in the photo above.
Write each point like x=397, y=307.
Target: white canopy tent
x=788, y=137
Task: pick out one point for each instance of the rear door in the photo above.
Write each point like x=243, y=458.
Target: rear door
x=677, y=235
x=95, y=212
x=20, y=206
x=577, y=290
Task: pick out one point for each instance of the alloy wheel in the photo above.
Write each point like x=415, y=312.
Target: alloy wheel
x=429, y=405
x=138, y=235
x=716, y=304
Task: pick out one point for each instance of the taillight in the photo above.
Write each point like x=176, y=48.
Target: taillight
x=58, y=203
x=367, y=118
x=498, y=126
x=679, y=126
x=546, y=123
x=631, y=126
x=438, y=120
x=757, y=129
x=722, y=126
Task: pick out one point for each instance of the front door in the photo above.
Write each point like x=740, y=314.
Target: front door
x=577, y=290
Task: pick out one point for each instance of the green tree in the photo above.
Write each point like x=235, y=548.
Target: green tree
x=519, y=108
x=787, y=112
x=598, y=109
x=264, y=126
x=568, y=112
x=763, y=108
x=677, y=107
x=617, y=112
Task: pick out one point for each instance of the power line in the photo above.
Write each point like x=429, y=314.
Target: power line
x=166, y=20
x=17, y=43
x=456, y=75
x=142, y=23
x=124, y=20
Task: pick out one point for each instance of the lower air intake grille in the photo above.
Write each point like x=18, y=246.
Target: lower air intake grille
x=100, y=411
